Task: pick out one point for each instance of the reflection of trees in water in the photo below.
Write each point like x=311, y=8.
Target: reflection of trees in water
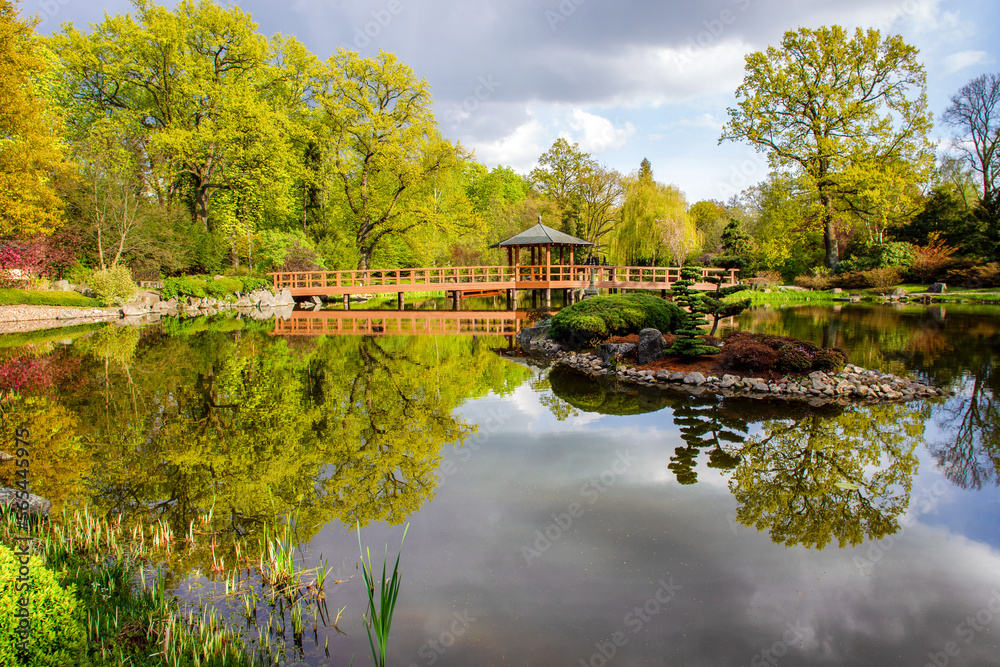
x=810, y=476
x=250, y=427
x=972, y=459
x=704, y=426
x=951, y=345
x=847, y=478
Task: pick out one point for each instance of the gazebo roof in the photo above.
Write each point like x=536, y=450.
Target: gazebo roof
x=540, y=235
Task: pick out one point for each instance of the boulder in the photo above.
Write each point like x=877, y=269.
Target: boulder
x=284, y=298
x=62, y=286
x=728, y=381
x=37, y=505
x=695, y=378
x=608, y=350
x=526, y=337
x=837, y=290
x=650, y=347
x=898, y=293
x=132, y=311
x=938, y=288
x=84, y=290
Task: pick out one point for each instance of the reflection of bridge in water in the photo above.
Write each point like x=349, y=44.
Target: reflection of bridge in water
x=402, y=323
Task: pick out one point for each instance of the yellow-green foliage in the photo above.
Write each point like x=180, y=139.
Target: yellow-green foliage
x=113, y=285
x=56, y=636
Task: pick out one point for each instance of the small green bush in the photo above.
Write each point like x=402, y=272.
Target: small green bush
x=614, y=315
x=113, y=286
x=202, y=286
x=814, y=282
x=57, y=637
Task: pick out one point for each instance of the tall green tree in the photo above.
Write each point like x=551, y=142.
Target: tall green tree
x=210, y=101
x=848, y=114
x=30, y=153
x=382, y=143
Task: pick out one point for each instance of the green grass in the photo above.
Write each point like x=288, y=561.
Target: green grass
x=788, y=298
x=21, y=297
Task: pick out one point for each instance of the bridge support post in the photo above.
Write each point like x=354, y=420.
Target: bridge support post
x=548, y=297
x=347, y=302
x=456, y=300
x=663, y=294
x=534, y=298
x=400, y=300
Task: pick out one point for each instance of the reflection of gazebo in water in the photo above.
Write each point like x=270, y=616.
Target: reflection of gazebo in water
x=544, y=265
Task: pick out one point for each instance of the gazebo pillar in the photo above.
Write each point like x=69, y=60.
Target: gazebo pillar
x=548, y=262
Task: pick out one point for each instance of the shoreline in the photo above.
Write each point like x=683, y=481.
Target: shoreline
x=23, y=318
x=852, y=385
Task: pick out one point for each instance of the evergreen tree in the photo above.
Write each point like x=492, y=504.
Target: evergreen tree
x=688, y=343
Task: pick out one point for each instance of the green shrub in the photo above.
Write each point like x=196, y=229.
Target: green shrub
x=200, y=287
x=113, y=286
x=57, y=636
x=615, y=315
x=251, y=284
x=14, y=297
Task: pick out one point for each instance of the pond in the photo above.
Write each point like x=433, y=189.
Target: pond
x=554, y=521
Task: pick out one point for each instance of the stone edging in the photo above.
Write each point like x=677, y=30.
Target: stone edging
x=852, y=385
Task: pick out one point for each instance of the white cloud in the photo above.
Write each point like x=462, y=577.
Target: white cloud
x=596, y=134
x=962, y=59
x=519, y=149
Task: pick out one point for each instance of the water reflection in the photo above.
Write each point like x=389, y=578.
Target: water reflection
x=217, y=417
x=807, y=477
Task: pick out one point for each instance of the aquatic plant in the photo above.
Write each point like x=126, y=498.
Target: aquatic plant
x=379, y=618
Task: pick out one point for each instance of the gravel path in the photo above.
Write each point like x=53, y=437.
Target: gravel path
x=15, y=319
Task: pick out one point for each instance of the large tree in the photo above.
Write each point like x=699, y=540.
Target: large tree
x=383, y=143
x=29, y=150
x=975, y=114
x=207, y=96
x=849, y=114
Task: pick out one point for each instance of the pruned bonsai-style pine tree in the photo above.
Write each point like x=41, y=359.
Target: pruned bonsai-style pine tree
x=688, y=343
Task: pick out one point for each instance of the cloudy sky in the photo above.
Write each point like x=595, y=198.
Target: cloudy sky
x=625, y=79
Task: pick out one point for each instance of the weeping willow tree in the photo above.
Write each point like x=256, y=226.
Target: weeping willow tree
x=653, y=217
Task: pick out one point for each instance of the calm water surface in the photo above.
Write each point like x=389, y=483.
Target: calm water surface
x=553, y=521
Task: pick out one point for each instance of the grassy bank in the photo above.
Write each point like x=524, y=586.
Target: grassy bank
x=783, y=298
x=99, y=598
x=21, y=297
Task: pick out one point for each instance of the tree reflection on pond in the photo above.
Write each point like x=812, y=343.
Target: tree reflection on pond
x=246, y=428
x=807, y=475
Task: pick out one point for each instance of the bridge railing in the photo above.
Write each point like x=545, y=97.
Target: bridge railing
x=470, y=275
x=393, y=277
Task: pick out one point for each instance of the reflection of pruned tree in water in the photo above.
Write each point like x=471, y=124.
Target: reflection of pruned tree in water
x=818, y=478
x=972, y=459
x=704, y=426
x=559, y=408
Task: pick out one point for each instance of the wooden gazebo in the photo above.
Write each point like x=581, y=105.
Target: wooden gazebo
x=542, y=239
x=544, y=267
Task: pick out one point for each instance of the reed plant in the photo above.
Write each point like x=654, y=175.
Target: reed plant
x=379, y=618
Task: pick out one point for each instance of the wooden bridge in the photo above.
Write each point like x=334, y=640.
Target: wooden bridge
x=401, y=323
x=461, y=279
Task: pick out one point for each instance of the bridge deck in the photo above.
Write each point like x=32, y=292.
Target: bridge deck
x=487, y=278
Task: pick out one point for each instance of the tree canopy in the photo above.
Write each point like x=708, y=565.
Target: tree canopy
x=847, y=114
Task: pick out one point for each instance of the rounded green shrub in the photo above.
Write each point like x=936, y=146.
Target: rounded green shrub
x=113, y=285
x=56, y=637
x=615, y=315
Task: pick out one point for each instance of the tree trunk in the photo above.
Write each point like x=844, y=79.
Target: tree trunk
x=201, y=207
x=829, y=232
